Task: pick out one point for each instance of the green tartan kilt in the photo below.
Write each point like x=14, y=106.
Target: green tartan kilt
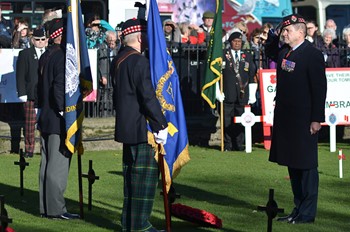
x=140, y=171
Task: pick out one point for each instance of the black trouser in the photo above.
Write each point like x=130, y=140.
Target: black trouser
x=305, y=190
x=233, y=132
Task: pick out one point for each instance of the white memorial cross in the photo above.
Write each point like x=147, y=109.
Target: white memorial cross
x=248, y=119
x=332, y=120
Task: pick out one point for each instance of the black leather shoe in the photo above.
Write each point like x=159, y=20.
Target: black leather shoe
x=300, y=219
x=28, y=155
x=288, y=218
x=65, y=216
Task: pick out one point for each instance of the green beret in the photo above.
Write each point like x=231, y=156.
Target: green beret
x=209, y=14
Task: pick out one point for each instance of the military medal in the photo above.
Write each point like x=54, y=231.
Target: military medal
x=288, y=65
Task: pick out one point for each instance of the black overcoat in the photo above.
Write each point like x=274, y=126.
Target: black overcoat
x=27, y=73
x=300, y=100
x=51, y=91
x=134, y=98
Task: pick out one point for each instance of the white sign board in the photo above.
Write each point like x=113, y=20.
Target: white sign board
x=338, y=94
x=8, y=88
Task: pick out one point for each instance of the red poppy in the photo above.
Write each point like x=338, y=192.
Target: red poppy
x=194, y=215
x=243, y=55
x=273, y=79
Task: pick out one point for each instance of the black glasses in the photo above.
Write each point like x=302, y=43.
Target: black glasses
x=42, y=39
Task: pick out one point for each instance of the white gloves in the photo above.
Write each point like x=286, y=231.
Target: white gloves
x=37, y=112
x=220, y=96
x=61, y=113
x=23, y=98
x=161, y=136
x=252, y=91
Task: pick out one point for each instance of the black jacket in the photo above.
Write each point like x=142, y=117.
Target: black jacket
x=232, y=86
x=27, y=73
x=51, y=91
x=134, y=98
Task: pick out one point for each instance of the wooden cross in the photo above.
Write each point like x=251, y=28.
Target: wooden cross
x=4, y=219
x=22, y=166
x=271, y=210
x=248, y=119
x=91, y=178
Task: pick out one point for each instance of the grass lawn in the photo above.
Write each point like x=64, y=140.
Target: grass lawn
x=230, y=185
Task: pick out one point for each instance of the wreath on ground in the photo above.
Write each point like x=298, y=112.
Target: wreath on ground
x=194, y=215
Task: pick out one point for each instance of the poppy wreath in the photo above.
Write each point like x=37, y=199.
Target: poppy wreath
x=7, y=229
x=194, y=215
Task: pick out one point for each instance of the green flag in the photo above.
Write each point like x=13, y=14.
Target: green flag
x=214, y=58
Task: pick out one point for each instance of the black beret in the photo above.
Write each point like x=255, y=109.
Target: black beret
x=292, y=19
x=134, y=25
x=39, y=32
x=55, y=28
x=235, y=35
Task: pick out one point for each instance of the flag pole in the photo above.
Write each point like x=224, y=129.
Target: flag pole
x=80, y=182
x=222, y=115
x=80, y=146
x=165, y=193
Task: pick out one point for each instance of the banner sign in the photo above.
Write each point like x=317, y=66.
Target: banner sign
x=337, y=101
x=8, y=88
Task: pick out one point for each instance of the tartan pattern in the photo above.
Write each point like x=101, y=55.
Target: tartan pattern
x=29, y=127
x=140, y=171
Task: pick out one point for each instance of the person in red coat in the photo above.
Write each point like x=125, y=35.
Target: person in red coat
x=299, y=110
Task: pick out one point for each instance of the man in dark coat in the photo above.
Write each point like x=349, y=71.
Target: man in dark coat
x=27, y=79
x=55, y=157
x=299, y=110
x=105, y=54
x=6, y=28
x=238, y=79
x=136, y=103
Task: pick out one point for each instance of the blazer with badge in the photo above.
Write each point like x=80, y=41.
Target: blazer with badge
x=232, y=84
x=134, y=98
x=27, y=73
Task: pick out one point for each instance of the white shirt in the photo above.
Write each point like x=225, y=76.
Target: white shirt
x=38, y=51
x=234, y=54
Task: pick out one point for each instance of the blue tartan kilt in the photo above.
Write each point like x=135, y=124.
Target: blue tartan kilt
x=141, y=174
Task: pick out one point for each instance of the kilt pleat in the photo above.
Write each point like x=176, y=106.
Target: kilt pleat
x=141, y=175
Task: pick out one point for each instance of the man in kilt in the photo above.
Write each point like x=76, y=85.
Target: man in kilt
x=27, y=79
x=136, y=104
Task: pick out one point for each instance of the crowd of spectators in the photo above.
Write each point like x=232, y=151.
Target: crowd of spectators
x=106, y=39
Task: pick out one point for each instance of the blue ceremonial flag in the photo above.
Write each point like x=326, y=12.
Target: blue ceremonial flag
x=78, y=76
x=166, y=84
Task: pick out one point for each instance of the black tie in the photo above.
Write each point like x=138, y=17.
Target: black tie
x=236, y=56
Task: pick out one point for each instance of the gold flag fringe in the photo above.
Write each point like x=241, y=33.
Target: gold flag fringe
x=181, y=160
